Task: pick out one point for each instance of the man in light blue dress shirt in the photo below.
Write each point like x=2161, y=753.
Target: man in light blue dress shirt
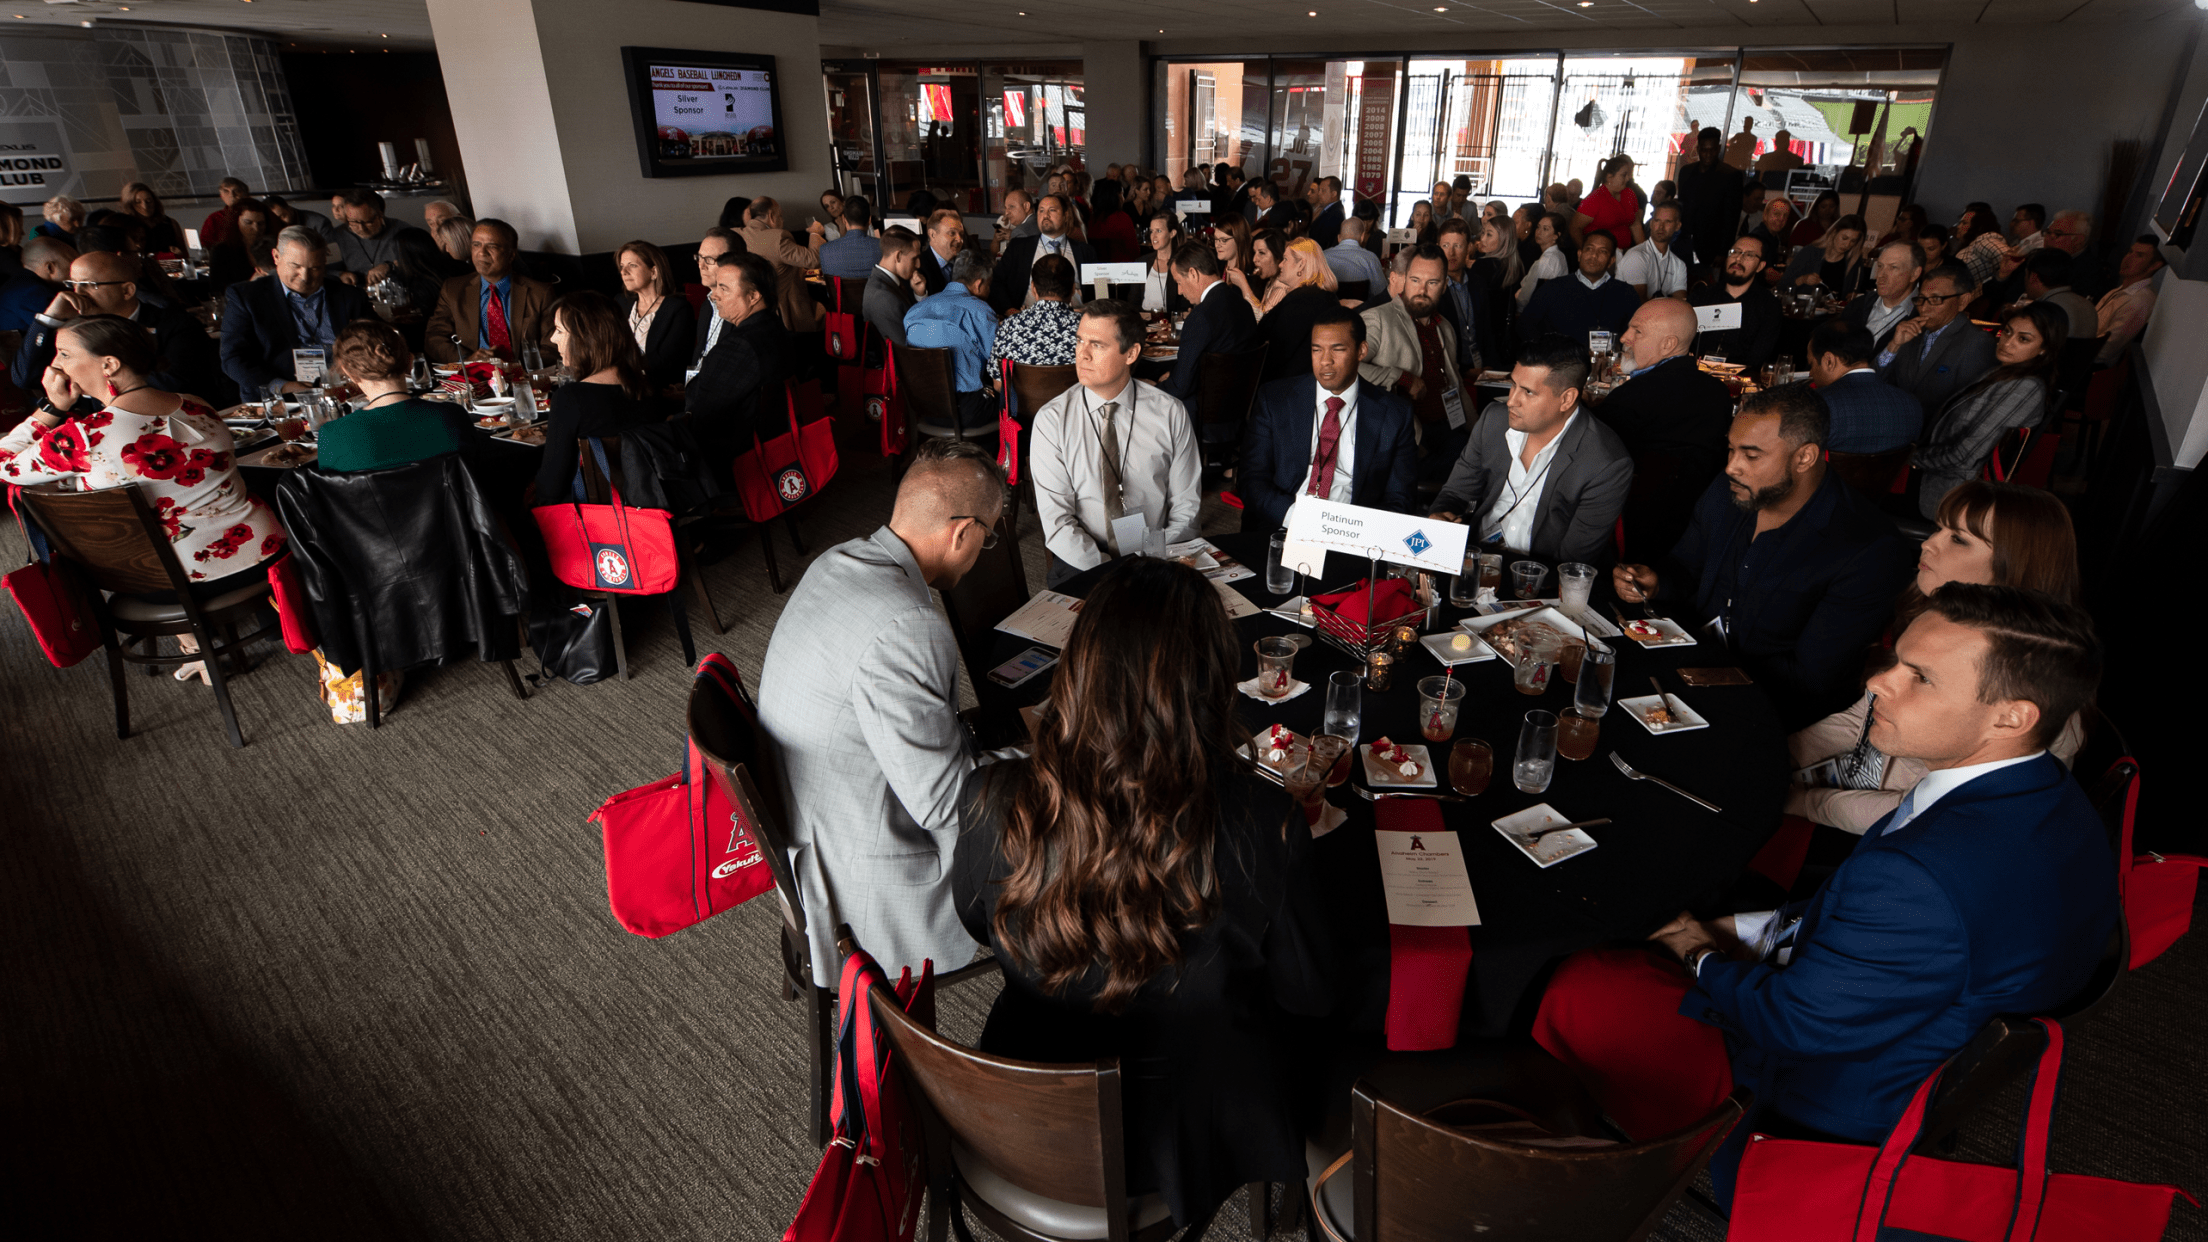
x=959, y=319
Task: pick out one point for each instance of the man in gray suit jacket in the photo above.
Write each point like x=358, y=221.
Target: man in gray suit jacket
x=1548, y=480
x=1939, y=353
x=889, y=287
x=860, y=694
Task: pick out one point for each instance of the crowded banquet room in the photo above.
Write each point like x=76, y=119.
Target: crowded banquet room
x=753, y=619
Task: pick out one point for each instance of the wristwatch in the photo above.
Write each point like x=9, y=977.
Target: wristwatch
x=1694, y=960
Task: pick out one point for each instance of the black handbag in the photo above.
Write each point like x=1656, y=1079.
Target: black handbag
x=575, y=644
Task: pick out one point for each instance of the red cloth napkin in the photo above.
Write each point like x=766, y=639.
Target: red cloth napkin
x=1427, y=966
x=1612, y=1015
x=1391, y=599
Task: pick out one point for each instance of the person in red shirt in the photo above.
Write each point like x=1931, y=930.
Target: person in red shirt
x=216, y=228
x=1614, y=207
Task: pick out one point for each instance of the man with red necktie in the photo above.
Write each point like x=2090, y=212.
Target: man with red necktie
x=494, y=312
x=1328, y=434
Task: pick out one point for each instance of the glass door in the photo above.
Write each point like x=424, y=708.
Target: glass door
x=850, y=93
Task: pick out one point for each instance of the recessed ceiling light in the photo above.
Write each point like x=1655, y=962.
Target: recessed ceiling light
x=1441, y=8
x=1586, y=4
x=1312, y=13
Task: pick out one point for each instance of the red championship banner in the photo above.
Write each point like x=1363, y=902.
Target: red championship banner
x=1375, y=133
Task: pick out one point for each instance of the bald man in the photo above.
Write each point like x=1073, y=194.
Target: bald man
x=1673, y=419
x=103, y=283
x=860, y=694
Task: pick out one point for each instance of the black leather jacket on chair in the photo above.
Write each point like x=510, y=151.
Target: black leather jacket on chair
x=410, y=558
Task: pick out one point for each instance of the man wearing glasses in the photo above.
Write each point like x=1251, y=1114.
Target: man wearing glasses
x=719, y=244
x=1756, y=341
x=106, y=284
x=860, y=694
x=1937, y=354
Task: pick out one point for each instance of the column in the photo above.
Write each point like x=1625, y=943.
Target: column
x=1115, y=88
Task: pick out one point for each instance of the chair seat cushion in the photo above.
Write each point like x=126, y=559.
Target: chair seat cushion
x=137, y=608
x=1053, y=1217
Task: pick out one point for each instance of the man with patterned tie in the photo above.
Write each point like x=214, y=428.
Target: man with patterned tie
x=1112, y=457
x=1991, y=890
x=1329, y=434
x=493, y=313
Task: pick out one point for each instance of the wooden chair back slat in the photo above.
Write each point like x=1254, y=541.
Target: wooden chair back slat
x=927, y=379
x=1035, y=387
x=1042, y=1127
x=112, y=533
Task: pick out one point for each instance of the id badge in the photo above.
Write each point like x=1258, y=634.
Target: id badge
x=1824, y=775
x=1127, y=534
x=1453, y=405
x=308, y=365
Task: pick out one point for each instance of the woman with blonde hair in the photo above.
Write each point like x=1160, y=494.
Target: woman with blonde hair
x=1305, y=290
x=64, y=216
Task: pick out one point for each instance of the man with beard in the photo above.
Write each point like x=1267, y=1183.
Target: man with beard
x=1791, y=571
x=1756, y=341
x=1414, y=352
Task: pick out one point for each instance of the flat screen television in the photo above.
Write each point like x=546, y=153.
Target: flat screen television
x=702, y=113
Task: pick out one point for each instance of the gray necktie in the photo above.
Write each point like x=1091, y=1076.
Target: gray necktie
x=1108, y=448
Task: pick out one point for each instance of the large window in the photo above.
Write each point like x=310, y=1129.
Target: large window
x=1857, y=118
x=964, y=131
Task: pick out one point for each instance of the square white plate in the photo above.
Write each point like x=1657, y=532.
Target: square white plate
x=1669, y=633
x=1551, y=849
x=1271, y=771
x=1380, y=775
x=1689, y=720
x=1291, y=610
x=1439, y=645
x=1556, y=620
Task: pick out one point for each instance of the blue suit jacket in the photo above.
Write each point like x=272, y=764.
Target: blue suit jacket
x=258, y=335
x=1997, y=900
x=1276, y=453
x=1870, y=415
x=1222, y=323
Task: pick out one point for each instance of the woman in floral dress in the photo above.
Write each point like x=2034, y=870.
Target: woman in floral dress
x=172, y=447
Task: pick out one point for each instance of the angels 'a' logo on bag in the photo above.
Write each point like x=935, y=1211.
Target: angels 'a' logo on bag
x=874, y=408
x=609, y=563
x=835, y=345
x=792, y=485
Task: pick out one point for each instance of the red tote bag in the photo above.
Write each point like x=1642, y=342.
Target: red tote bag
x=867, y=1188
x=677, y=851
x=1796, y=1191
x=884, y=404
x=780, y=474
x=840, y=329
x=1008, y=430
x=2158, y=889
x=610, y=547
x=53, y=602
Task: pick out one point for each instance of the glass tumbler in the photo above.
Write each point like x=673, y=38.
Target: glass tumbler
x=1276, y=658
x=1279, y=578
x=1535, y=764
x=1597, y=667
x=1345, y=698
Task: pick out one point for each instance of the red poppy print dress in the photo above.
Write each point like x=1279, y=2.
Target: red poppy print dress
x=182, y=461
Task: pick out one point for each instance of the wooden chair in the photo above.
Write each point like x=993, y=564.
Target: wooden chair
x=113, y=538
x=1226, y=388
x=1036, y=1151
x=598, y=490
x=992, y=590
x=927, y=378
x=1417, y=1178
x=1873, y=474
x=1032, y=388
x=742, y=761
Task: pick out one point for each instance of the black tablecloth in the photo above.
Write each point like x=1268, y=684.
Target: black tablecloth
x=1660, y=854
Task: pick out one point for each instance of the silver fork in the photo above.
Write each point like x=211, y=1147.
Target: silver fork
x=1633, y=775
x=1370, y=796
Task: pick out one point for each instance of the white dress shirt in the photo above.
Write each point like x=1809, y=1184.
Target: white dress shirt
x=1660, y=269
x=1062, y=246
x=1549, y=266
x=1515, y=508
x=2123, y=313
x=1161, y=471
x=1754, y=927
x=1345, y=449
x=1155, y=289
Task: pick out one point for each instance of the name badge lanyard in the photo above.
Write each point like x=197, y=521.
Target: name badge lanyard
x=1518, y=498
x=1134, y=390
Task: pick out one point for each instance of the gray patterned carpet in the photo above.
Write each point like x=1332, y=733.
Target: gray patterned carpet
x=364, y=985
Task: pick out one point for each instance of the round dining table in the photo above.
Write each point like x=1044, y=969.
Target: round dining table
x=1659, y=854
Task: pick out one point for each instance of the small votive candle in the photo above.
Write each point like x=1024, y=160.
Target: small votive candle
x=1379, y=668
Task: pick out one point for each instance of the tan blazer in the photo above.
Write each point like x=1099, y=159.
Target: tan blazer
x=1395, y=351
x=800, y=313
x=459, y=307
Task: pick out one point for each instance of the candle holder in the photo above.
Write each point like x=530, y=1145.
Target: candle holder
x=1379, y=670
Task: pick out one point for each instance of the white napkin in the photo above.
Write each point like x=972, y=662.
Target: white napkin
x=1294, y=688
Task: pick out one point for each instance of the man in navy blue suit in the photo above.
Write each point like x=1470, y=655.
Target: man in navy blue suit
x=266, y=320
x=1869, y=415
x=1328, y=434
x=1219, y=321
x=1990, y=890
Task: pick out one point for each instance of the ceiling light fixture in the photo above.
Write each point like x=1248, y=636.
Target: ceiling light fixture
x=1312, y=13
x=1441, y=8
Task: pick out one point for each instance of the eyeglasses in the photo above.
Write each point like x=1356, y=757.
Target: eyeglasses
x=1936, y=298
x=78, y=286
x=988, y=532
x=1743, y=254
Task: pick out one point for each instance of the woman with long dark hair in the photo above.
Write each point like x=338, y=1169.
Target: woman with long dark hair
x=1909, y=220
x=164, y=234
x=1824, y=213
x=2000, y=534
x=1612, y=207
x=1268, y=247
x=1143, y=886
x=1157, y=293
x=609, y=394
x=1423, y=225
x=1959, y=439
x=659, y=315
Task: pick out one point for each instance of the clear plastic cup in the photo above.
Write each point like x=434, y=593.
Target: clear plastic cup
x=1439, y=699
x=1574, y=583
x=1526, y=578
x=1276, y=658
x=1535, y=764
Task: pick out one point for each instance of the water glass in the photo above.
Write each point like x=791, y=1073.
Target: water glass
x=1153, y=543
x=1574, y=583
x=1577, y=733
x=1466, y=586
x=1439, y=698
x=1491, y=570
x=532, y=358
x=1471, y=766
x=1526, y=578
x=1332, y=754
x=1597, y=667
x=1276, y=658
x=1535, y=764
x=1345, y=699
x=1279, y=578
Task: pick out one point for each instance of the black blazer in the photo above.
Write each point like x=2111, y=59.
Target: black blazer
x=1673, y=420
x=1326, y=227
x=670, y=341
x=1958, y=359
x=1276, y=451
x=1580, y=500
x=257, y=333
x=1756, y=341
x=1222, y=323
x=737, y=395
x=187, y=358
x=887, y=300
x=1287, y=331
x=1008, y=288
